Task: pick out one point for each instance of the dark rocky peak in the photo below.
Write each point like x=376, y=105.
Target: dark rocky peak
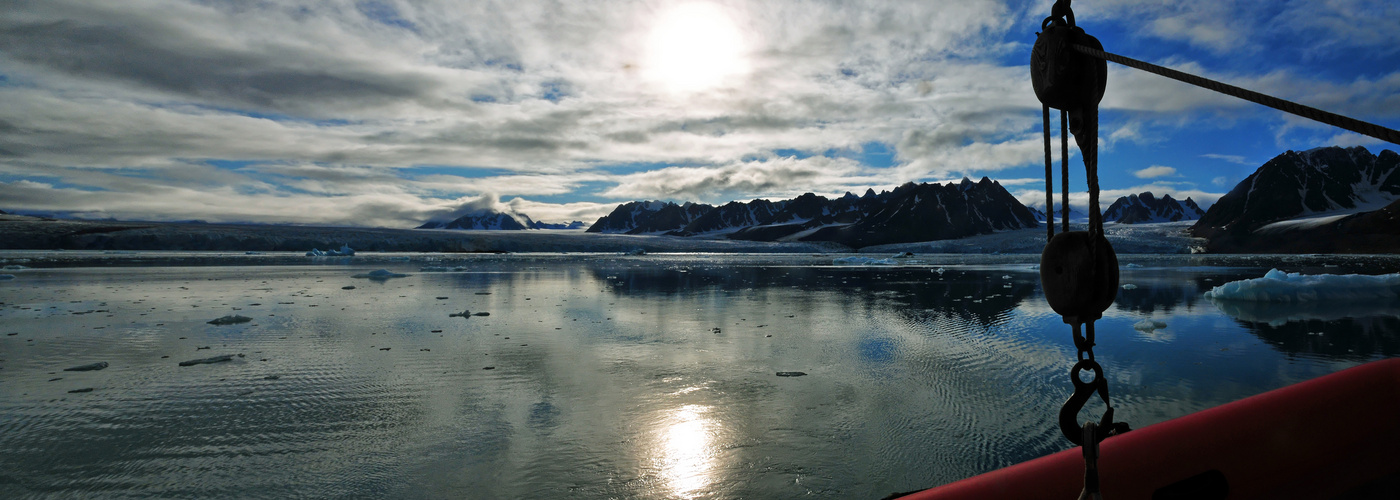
x=1299, y=183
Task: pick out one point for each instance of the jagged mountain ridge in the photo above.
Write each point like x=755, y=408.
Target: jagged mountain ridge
x=649, y=217
x=1324, y=200
x=1144, y=207
x=1315, y=181
x=911, y=212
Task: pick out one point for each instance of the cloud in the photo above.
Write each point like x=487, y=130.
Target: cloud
x=774, y=177
x=1220, y=181
x=1236, y=159
x=390, y=112
x=1155, y=171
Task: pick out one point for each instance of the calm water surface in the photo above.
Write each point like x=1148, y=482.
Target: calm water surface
x=602, y=376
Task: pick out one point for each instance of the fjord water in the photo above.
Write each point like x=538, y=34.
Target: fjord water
x=605, y=376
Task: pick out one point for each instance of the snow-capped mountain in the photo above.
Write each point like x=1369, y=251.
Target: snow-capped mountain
x=1320, y=181
x=649, y=217
x=1139, y=208
x=1075, y=215
x=483, y=219
x=912, y=212
x=732, y=215
x=565, y=225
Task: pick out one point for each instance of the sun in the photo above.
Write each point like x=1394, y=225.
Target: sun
x=694, y=46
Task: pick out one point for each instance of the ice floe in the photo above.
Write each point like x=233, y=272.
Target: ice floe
x=380, y=274
x=1278, y=286
x=230, y=320
x=863, y=261
x=345, y=251
x=1148, y=325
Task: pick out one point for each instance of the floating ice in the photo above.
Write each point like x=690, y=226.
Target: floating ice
x=441, y=269
x=863, y=261
x=345, y=251
x=903, y=255
x=635, y=251
x=6, y=277
x=14, y=267
x=230, y=320
x=88, y=367
x=207, y=361
x=1129, y=286
x=1278, y=286
x=380, y=274
x=1148, y=325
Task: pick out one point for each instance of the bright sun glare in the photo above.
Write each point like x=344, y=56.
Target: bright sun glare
x=694, y=46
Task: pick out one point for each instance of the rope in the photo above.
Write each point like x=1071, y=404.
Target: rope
x=1064, y=170
x=1049, y=175
x=1364, y=128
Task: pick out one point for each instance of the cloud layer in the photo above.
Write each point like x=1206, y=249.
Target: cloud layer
x=391, y=112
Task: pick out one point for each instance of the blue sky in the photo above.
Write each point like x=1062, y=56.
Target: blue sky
x=387, y=113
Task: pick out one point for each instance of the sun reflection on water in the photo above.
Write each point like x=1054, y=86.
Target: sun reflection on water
x=686, y=457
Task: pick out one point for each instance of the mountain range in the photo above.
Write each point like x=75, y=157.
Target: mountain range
x=1143, y=207
x=1328, y=199
x=911, y=212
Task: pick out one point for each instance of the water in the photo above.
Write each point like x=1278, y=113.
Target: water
x=610, y=377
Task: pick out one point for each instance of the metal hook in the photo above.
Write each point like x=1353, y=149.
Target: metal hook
x=1069, y=413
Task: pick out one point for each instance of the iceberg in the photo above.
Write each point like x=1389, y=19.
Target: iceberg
x=1278, y=286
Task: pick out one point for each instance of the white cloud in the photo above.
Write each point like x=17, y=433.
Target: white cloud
x=335, y=114
x=1236, y=159
x=1155, y=171
x=1220, y=181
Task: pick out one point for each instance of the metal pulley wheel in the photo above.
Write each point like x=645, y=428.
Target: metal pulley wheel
x=1062, y=77
x=1079, y=274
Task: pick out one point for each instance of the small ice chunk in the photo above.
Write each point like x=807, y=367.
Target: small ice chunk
x=790, y=374
x=903, y=255
x=863, y=261
x=940, y=271
x=1132, y=264
x=1278, y=286
x=205, y=361
x=1148, y=325
x=636, y=251
x=7, y=276
x=345, y=251
x=230, y=320
x=380, y=274
x=1129, y=286
x=14, y=267
x=88, y=367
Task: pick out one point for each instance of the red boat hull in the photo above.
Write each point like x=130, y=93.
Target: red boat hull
x=1314, y=439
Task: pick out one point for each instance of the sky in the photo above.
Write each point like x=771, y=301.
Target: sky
x=392, y=112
